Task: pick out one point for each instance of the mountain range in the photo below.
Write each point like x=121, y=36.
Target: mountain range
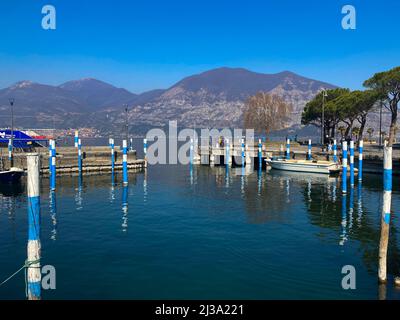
x=212, y=98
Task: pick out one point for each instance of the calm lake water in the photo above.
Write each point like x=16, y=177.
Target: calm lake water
x=201, y=233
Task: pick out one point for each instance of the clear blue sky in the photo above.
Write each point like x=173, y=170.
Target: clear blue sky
x=149, y=44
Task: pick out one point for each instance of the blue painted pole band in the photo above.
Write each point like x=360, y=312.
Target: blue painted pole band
x=80, y=156
x=125, y=162
x=360, y=160
x=259, y=154
x=34, y=218
x=344, y=168
x=76, y=139
x=145, y=148
x=288, y=149
x=352, y=163
x=309, y=149
x=53, y=174
x=50, y=155
x=335, y=159
x=243, y=156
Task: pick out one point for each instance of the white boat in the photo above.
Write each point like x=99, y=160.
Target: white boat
x=312, y=166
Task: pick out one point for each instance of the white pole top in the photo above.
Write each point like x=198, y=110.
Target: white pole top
x=334, y=141
x=32, y=160
x=145, y=140
x=288, y=141
x=361, y=143
x=124, y=144
x=351, y=144
x=76, y=133
x=79, y=142
x=344, y=145
x=309, y=141
x=259, y=140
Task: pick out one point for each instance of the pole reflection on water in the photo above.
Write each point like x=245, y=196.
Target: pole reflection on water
x=53, y=214
x=78, y=195
x=359, y=203
x=145, y=185
x=351, y=209
x=343, y=236
x=125, y=208
x=112, y=188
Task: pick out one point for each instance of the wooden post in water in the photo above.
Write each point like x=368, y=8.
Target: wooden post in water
x=335, y=151
x=125, y=162
x=351, y=164
x=385, y=220
x=76, y=138
x=360, y=159
x=344, y=168
x=80, y=156
x=288, y=149
x=309, y=150
x=53, y=166
x=33, y=251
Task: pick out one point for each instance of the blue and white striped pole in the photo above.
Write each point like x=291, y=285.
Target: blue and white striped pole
x=309, y=150
x=80, y=156
x=387, y=203
x=227, y=154
x=288, y=149
x=125, y=162
x=351, y=163
x=112, y=155
x=53, y=166
x=259, y=155
x=360, y=159
x=243, y=155
x=335, y=159
x=10, y=151
x=76, y=140
x=33, y=251
x=191, y=151
x=50, y=154
x=145, y=149
x=344, y=168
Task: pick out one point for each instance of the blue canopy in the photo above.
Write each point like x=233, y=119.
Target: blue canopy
x=21, y=139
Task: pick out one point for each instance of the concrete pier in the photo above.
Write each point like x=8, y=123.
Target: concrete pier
x=94, y=160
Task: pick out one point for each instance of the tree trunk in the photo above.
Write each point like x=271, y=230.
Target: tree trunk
x=362, y=127
x=392, y=131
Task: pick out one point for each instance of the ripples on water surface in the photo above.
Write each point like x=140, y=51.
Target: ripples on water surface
x=181, y=233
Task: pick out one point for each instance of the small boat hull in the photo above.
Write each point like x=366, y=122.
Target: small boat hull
x=322, y=167
x=11, y=176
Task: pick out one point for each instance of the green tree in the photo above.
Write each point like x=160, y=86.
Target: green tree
x=388, y=84
x=355, y=106
x=312, y=113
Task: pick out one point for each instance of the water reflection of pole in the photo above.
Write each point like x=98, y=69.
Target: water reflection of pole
x=33, y=260
x=259, y=181
x=78, y=196
x=385, y=220
x=125, y=208
x=359, y=202
x=145, y=185
x=53, y=214
x=334, y=190
x=343, y=236
x=351, y=208
x=309, y=190
x=112, y=189
x=227, y=175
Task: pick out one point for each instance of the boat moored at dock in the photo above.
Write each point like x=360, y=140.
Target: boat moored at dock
x=311, y=166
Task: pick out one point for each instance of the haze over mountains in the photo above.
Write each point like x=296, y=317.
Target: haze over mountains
x=212, y=98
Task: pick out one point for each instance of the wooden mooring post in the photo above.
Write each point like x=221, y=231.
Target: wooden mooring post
x=34, y=246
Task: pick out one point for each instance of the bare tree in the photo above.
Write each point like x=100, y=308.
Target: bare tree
x=265, y=113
